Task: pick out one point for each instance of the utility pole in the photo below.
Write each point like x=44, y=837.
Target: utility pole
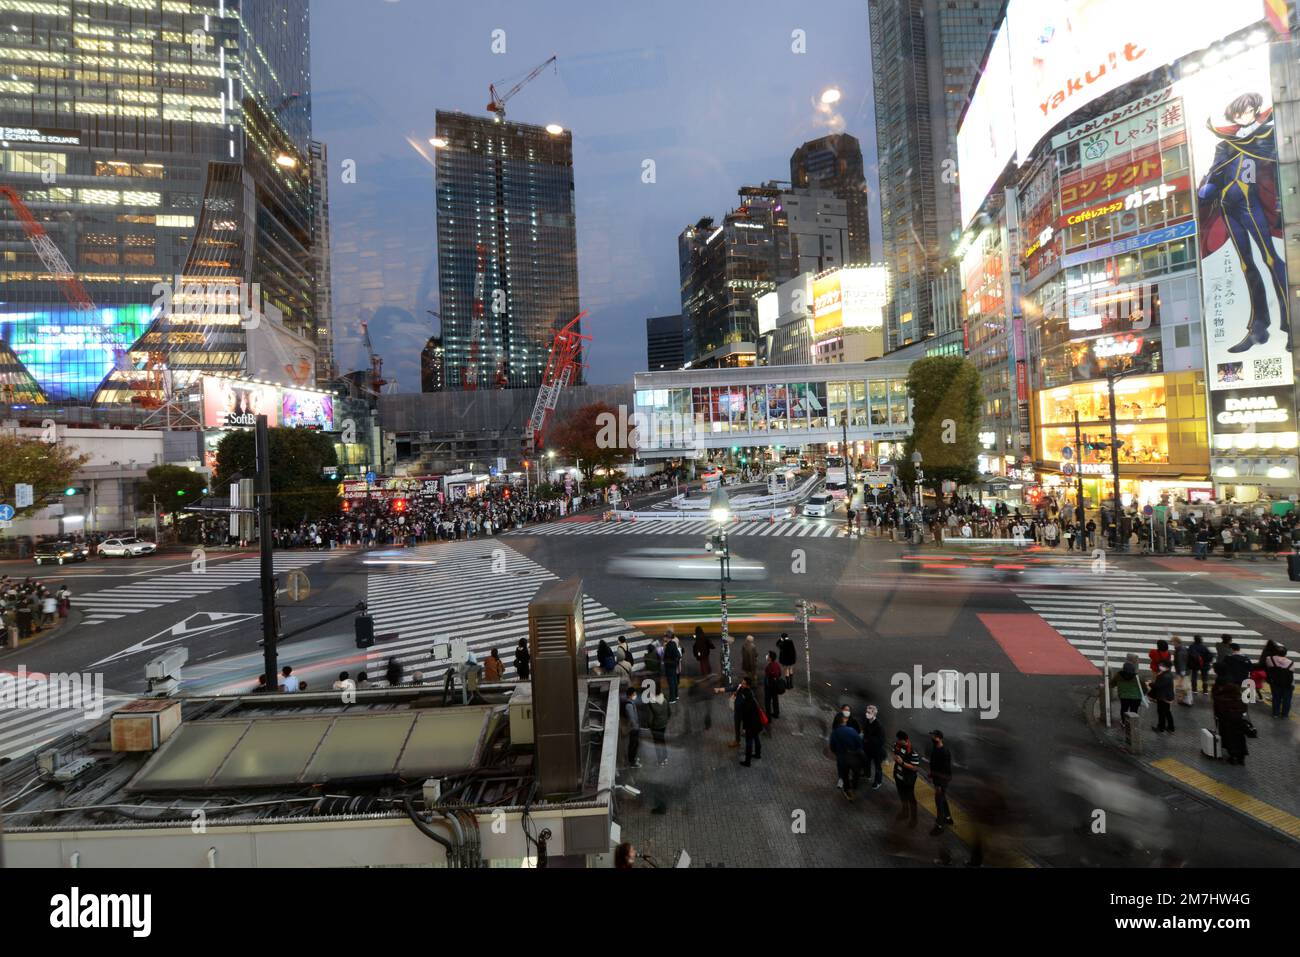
x=848, y=482
x=804, y=610
x=263, y=451
x=1078, y=460
x=1114, y=456
x=156, y=526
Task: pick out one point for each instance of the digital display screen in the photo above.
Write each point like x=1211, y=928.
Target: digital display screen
x=70, y=353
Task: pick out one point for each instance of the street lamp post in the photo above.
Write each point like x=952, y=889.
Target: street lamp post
x=848, y=480
x=1111, y=379
x=920, y=500
x=720, y=510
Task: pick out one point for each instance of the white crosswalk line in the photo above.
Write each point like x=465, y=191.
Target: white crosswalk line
x=1145, y=612
x=458, y=598
x=23, y=728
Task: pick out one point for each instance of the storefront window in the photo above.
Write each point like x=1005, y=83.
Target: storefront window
x=700, y=401
x=859, y=403
x=879, y=404
x=898, y=407
x=817, y=405
x=757, y=408
x=778, y=406
x=837, y=400
x=798, y=405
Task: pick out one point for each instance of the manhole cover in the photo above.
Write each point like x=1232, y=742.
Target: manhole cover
x=497, y=615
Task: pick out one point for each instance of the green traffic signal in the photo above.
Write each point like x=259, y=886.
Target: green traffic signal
x=69, y=492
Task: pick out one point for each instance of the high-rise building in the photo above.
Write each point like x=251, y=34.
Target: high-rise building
x=925, y=56
x=431, y=361
x=664, y=347
x=819, y=229
x=835, y=163
x=153, y=141
x=326, y=368
x=725, y=268
x=507, y=248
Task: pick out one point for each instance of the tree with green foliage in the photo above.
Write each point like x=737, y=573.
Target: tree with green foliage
x=946, y=407
x=299, y=488
x=49, y=468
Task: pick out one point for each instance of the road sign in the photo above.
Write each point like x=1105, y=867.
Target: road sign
x=297, y=585
x=1067, y=453
x=1067, y=468
x=1147, y=510
x=23, y=495
x=1107, y=616
x=6, y=512
x=493, y=471
x=370, y=478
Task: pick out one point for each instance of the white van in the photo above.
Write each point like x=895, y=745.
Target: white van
x=820, y=505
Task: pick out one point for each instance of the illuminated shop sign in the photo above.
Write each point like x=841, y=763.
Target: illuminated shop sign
x=1039, y=241
x=1138, y=171
x=1131, y=113
x=1111, y=346
x=46, y=137
x=1253, y=410
x=1118, y=248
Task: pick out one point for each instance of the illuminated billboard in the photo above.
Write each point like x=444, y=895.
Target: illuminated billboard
x=768, y=310
x=1243, y=257
x=850, y=298
x=1066, y=53
x=986, y=141
x=235, y=403
x=69, y=353
x=300, y=409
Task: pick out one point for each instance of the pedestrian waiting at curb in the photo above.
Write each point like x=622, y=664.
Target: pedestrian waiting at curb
x=906, y=764
x=846, y=745
x=940, y=761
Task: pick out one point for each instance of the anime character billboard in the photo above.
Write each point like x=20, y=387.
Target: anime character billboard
x=1243, y=260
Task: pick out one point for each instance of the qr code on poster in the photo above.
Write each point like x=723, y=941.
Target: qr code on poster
x=1268, y=370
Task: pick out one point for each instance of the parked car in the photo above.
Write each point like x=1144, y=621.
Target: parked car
x=60, y=553
x=820, y=505
x=125, y=547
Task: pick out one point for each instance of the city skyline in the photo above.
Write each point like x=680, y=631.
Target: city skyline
x=630, y=101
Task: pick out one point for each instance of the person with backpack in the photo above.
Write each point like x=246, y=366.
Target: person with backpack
x=750, y=717
x=1199, y=659
x=773, y=687
x=1281, y=678
x=1129, y=685
x=1159, y=655
x=787, y=656
x=1162, y=691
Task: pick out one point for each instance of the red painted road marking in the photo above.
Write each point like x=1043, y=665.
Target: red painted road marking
x=1034, y=646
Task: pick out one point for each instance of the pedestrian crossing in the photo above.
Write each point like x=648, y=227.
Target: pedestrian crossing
x=474, y=590
x=25, y=728
x=1144, y=612
x=787, y=528
x=155, y=591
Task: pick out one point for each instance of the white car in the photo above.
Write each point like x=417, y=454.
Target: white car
x=820, y=505
x=682, y=563
x=126, y=547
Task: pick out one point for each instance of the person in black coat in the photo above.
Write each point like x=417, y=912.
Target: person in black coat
x=750, y=722
x=702, y=650
x=523, y=660
x=787, y=656
x=873, y=746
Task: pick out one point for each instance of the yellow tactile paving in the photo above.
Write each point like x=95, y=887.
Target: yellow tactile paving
x=1274, y=817
x=961, y=825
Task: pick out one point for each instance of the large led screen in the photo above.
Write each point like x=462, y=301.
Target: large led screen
x=69, y=353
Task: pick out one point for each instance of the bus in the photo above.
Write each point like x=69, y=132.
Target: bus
x=837, y=477
x=783, y=478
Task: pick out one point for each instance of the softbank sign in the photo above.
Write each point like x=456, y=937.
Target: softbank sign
x=1068, y=53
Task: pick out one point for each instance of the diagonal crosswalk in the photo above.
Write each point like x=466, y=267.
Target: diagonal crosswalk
x=1144, y=611
x=786, y=528
x=477, y=591
x=25, y=727
x=167, y=588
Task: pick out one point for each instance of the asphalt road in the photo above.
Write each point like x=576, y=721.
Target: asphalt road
x=883, y=610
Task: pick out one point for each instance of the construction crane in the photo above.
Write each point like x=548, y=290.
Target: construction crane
x=497, y=104
x=566, y=350
x=377, y=380
x=469, y=372
x=73, y=291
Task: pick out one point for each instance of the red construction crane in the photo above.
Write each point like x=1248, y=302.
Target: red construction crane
x=497, y=104
x=73, y=290
x=469, y=372
x=377, y=380
x=566, y=349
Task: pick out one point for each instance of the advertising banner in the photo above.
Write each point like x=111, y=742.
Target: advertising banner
x=986, y=139
x=300, y=409
x=1243, y=258
x=1253, y=410
x=233, y=403
x=69, y=353
x=1066, y=53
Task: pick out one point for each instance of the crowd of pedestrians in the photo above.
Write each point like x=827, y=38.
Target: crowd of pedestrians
x=1178, y=671
x=30, y=605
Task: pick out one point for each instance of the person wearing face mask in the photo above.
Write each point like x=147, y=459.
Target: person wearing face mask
x=873, y=747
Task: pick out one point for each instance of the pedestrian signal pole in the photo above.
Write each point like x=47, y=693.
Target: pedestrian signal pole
x=1107, y=611
x=805, y=610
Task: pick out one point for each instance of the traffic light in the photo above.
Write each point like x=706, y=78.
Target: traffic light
x=399, y=505
x=506, y=494
x=346, y=506
x=180, y=493
x=69, y=492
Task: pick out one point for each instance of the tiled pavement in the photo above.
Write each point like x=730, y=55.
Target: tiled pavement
x=784, y=811
x=1264, y=789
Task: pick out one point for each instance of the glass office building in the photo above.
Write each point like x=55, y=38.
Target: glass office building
x=148, y=141
x=505, y=215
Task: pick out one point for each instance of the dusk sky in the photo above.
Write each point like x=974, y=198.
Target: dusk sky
x=711, y=90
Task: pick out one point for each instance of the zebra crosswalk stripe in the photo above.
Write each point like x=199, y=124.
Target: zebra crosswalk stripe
x=475, y=591
x=140, y=595
x=1144, y=612
x=786, y=528
x=23, y=729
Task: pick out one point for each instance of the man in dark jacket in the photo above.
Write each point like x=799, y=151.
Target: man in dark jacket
x=786, y=655
x=1162, y=690
x=703, y=650
x=940, y=776
x=846, y=745
x=747, y=714
x=1199, y=659
x=1235, y=667
x=873, y=746
x=672, y=666
x=906, y=764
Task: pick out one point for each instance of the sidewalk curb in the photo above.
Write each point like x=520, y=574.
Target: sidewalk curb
x=74, y=618
x=1099, y=732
